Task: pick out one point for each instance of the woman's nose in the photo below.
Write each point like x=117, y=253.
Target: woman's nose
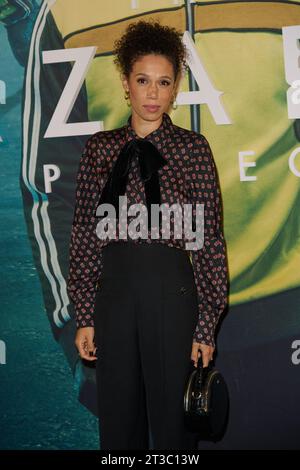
x=152, y=91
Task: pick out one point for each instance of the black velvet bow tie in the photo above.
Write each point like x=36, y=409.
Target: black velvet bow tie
x=150, y=160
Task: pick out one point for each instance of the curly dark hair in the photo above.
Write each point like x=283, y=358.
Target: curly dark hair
x=149, y=37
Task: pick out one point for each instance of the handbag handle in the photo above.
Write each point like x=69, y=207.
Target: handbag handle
x=199, y=381
x=202, y=371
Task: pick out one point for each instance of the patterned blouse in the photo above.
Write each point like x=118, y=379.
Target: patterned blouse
x=188, y=176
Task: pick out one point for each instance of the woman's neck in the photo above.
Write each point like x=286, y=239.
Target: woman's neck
x=142, y=128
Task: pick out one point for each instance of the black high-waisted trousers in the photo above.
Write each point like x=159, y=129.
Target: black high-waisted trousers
x=145, y=316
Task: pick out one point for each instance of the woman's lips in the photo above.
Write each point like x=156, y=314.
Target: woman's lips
x=151, y=108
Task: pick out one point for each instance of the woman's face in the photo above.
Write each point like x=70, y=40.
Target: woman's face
x=151, y=83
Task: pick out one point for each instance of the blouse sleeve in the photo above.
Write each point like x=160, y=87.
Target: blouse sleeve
x=85, y=254
x=209, y=261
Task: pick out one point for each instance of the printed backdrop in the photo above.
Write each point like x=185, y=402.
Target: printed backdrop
x=58, y=85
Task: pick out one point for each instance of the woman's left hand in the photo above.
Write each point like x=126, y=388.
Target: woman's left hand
x=204, y=350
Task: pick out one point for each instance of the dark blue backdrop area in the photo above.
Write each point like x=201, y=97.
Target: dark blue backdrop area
x=38, y=398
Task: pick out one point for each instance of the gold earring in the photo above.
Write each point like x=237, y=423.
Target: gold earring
x=174, y=103
x=127, y=97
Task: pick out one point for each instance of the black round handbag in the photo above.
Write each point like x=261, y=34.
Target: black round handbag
x=206, y=402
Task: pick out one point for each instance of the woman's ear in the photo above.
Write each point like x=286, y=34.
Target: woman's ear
x=124, y=83
x=177, y=84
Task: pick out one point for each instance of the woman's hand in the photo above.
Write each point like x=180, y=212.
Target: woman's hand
x=84, y=342
x=204, y=350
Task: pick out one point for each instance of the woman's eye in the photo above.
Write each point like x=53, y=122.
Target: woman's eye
x=163, y=82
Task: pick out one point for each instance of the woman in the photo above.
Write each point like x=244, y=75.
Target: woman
x=147, y=306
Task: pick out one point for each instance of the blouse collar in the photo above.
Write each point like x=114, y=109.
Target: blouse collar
x=162, y=132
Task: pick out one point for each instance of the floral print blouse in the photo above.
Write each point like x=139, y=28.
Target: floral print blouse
x=187, y=177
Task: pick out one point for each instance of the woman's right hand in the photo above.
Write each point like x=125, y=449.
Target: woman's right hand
x=84, y=342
